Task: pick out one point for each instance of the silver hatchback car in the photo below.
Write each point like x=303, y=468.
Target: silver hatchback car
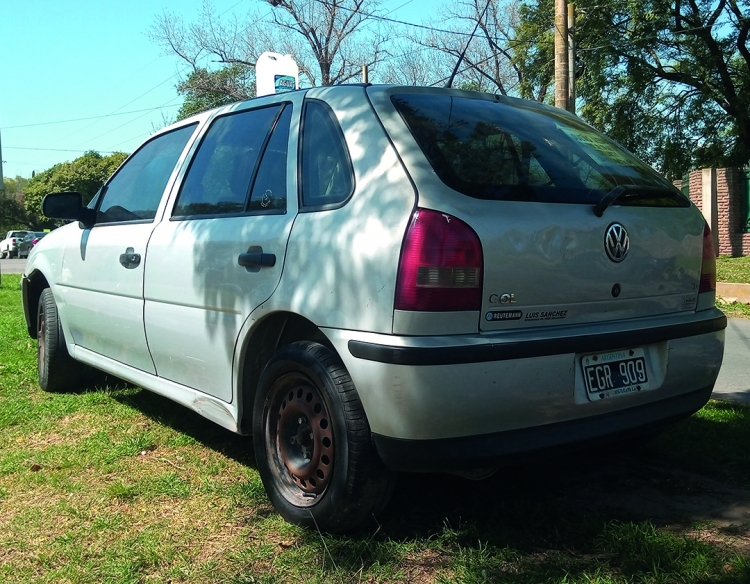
x=372, y=279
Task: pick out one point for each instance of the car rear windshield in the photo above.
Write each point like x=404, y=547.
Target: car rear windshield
x=502, y=149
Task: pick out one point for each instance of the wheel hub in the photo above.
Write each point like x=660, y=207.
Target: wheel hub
x=305, y=439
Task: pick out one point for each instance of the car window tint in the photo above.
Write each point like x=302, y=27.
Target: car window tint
x=269, y=187
x=509, y=150
x=133, y=194
x=326, y=167
x=218, y=180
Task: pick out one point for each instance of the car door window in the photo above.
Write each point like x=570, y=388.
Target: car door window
x=327, y=178
x=134, y=192
x=269, y=188
x=218, y=180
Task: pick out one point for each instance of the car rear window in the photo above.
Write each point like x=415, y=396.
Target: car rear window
x=510, y=150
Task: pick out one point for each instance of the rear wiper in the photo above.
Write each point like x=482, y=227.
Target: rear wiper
x=615, y=193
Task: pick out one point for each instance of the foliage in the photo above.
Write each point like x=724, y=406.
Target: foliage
x=85, y=174
x=204, y=90
x=668, y=80
x=12, y=212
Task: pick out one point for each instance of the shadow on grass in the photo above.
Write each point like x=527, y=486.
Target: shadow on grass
x=178, y=417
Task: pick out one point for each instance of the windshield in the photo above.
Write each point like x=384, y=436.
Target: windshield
x=504, y=150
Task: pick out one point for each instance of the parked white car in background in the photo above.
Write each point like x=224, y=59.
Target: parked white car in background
x=9, y=245
x=372, y=279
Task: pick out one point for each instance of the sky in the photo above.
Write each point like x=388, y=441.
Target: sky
x=78, y=75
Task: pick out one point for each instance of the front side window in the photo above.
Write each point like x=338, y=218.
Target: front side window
x=218, y=181
x=327, y=179
x=134, y=193
x=503, y=150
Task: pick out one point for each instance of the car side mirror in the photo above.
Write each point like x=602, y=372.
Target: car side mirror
x=68, y=206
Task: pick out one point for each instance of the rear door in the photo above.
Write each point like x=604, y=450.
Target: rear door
x=221, y=252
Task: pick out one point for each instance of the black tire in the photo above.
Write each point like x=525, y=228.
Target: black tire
x=312, y=442
x=58, y=371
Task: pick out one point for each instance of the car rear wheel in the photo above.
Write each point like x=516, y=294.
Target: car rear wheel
x=58, y=371
x=312, y=442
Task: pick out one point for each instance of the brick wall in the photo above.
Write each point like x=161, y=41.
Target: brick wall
x=696, y=188
x=733, y=241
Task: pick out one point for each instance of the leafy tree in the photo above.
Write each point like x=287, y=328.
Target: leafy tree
x=12, y=212
x=85, y=174
x=205, y=90
x=668, y=80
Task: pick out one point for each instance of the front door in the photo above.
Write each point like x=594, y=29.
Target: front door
x=101, y=284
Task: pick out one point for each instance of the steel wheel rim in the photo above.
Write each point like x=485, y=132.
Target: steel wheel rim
x=299, y=439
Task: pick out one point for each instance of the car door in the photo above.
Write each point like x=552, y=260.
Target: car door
x=221, y=252
x=101, y=286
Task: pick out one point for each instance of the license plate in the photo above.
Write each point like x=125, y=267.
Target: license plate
x=616, y=373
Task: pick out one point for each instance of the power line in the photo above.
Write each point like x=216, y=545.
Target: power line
x=87, y=118
x=55, y=149
x=125, y=124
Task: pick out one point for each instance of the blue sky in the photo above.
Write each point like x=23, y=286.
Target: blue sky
x=93, y=62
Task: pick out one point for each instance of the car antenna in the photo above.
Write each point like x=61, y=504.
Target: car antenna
x=461, y=56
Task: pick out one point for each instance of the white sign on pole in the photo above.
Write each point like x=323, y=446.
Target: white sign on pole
x=275, y=73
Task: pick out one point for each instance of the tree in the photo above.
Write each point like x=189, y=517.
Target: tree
x=85, y=175
x=12, y=212
x=205, y=90
x=669, y=80
x=330, y=40
x=335, y=37
x=487, y=63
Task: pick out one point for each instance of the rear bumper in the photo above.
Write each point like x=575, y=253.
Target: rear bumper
x=426, y=388
x=489, y=450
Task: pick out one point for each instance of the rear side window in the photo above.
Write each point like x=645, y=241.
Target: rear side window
x=219, y=179
x=134, y=193
x=502, y=150
x=327, y=178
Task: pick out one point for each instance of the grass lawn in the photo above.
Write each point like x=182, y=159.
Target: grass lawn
x=736, y=271
x=121, y=485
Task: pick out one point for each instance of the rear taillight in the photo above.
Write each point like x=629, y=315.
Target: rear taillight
x=440, y=269
x=708, y=267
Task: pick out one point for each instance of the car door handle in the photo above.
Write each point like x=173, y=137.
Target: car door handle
x=130, y=259
x=255, y=259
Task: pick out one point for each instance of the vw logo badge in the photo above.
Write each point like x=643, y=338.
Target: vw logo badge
x=616, y=242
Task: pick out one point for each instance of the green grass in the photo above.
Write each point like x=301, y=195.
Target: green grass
x=734, y=270
x=734, y=309
x=118, y=485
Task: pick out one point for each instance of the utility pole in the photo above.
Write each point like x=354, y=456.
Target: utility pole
x=562, y=71
x=571, y=58
x=2, y=182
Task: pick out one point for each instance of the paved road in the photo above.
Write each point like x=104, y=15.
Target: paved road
x=734, y=380
x=12, y=266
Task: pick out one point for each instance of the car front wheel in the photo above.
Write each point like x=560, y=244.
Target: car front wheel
x=312, y=442
x=58, y=371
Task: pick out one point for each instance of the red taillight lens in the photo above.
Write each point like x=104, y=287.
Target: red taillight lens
x=708, y=268
x=440, y=268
